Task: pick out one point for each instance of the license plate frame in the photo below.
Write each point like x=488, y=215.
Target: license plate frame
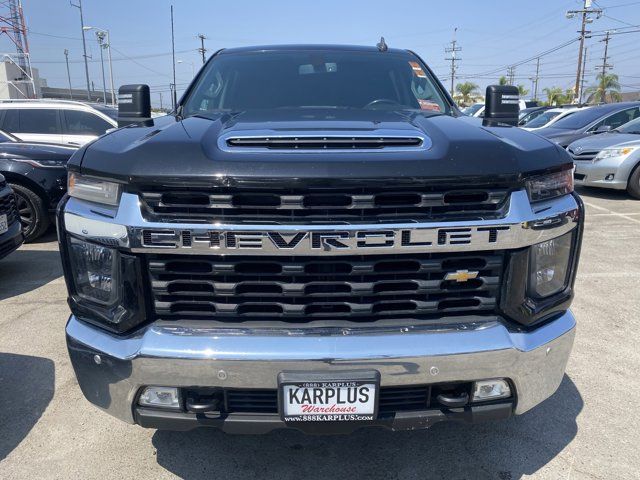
x=330, y=380
x=4, y=224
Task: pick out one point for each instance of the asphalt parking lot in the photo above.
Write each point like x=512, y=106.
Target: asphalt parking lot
x=588, y=429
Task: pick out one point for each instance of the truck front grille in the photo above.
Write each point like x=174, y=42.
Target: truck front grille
x=359, y=288
x=324, y=206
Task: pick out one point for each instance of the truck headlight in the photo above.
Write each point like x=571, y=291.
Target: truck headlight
x=549, y=266
x=93, y=189
x=614, y=152
x=545, y=187
x=95, y=271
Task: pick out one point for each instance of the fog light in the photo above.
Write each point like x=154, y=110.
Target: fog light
x=609, y=177
x=165, y=397
x=490, y=390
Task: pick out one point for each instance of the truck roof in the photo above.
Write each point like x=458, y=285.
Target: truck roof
x=300, y=47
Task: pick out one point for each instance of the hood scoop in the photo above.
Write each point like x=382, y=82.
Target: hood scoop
x=310, y=142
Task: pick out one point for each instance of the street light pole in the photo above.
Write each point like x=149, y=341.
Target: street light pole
x=113, y=93
x=84, y=48
x=66, y=57
x=101, y=36
x=101, y=33
x=193, y=67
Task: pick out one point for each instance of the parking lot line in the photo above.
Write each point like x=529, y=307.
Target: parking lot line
x=610, y=212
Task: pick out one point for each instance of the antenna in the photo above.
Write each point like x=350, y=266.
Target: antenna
x=382, y=46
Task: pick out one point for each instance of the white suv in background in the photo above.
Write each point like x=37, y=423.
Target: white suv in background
x=56, y=121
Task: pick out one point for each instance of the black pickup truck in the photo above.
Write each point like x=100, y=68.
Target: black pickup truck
x=317, y=238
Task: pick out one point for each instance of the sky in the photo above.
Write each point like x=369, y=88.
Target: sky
x=493, y=35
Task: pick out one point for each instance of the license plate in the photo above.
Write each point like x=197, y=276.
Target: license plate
x=321, y=398
x=4, y=226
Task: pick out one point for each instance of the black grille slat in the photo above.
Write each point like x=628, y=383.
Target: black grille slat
x=302, y=289
x=391, y=399
x=331, y=207
x=8, y=207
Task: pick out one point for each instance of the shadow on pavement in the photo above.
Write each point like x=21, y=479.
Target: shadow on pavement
x=25, y=270
x=26, y=388
x=603, y=193
x=504, y=450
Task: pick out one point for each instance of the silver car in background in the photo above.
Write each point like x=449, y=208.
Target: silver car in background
x=609, y=160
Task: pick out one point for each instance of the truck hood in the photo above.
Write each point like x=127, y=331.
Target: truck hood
x=604, y=140
x=168, y=150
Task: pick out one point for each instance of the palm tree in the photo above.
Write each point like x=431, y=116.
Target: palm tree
x=503, y=81
x=468, y=93
x=554, y=95
x=608, y=84
x=522, y=91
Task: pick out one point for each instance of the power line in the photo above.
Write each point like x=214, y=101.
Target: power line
x=522, y=62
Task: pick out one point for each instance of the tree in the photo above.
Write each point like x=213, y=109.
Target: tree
x=522, y=91
x=503, y=81
x=608, y=84
x=554, y=95
x=467, y=93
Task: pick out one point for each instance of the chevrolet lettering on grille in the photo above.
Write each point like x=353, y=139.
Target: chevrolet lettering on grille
x=314, y=242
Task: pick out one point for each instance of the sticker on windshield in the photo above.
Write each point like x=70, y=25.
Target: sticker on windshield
x=417, y=70
x=428, y=105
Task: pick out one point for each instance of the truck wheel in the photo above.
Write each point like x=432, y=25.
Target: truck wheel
x=33, y=214
x=633, y=185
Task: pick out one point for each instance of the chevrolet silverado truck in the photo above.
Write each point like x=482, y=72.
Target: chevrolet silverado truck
x=317, y=238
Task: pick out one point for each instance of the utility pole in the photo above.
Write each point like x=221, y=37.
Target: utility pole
x=584, y=69
x=511, y=72
x=605, y=66
x=452, y=49
x=174, y=97
x=66, y=58
x=84, y=47
x=536, y=78
x=202, y=50
x=584, y=12
x=160, y=100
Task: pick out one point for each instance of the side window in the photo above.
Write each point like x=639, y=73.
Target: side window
x=39, y=120
x=619, y=118
x=10, y=123
x=84, y=123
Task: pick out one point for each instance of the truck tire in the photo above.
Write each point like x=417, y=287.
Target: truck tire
x=633, y=185
x=33, y=214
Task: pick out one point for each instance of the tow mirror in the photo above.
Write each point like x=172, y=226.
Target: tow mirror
x=134, y=104
x=501, y=105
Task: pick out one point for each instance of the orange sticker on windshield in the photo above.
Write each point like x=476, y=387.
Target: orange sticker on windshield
x=417, y=70
x=428, y=105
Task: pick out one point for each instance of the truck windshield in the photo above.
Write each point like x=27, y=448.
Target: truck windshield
x=314, y=79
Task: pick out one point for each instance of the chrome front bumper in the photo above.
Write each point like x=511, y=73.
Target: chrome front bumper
x=170, y=355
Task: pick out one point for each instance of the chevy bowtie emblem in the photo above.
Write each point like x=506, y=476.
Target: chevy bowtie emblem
x=461, y=275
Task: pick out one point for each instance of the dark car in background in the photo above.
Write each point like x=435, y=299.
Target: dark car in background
x=37, y=173
x=593, y=120
x=10, y=230
x=529, y=113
